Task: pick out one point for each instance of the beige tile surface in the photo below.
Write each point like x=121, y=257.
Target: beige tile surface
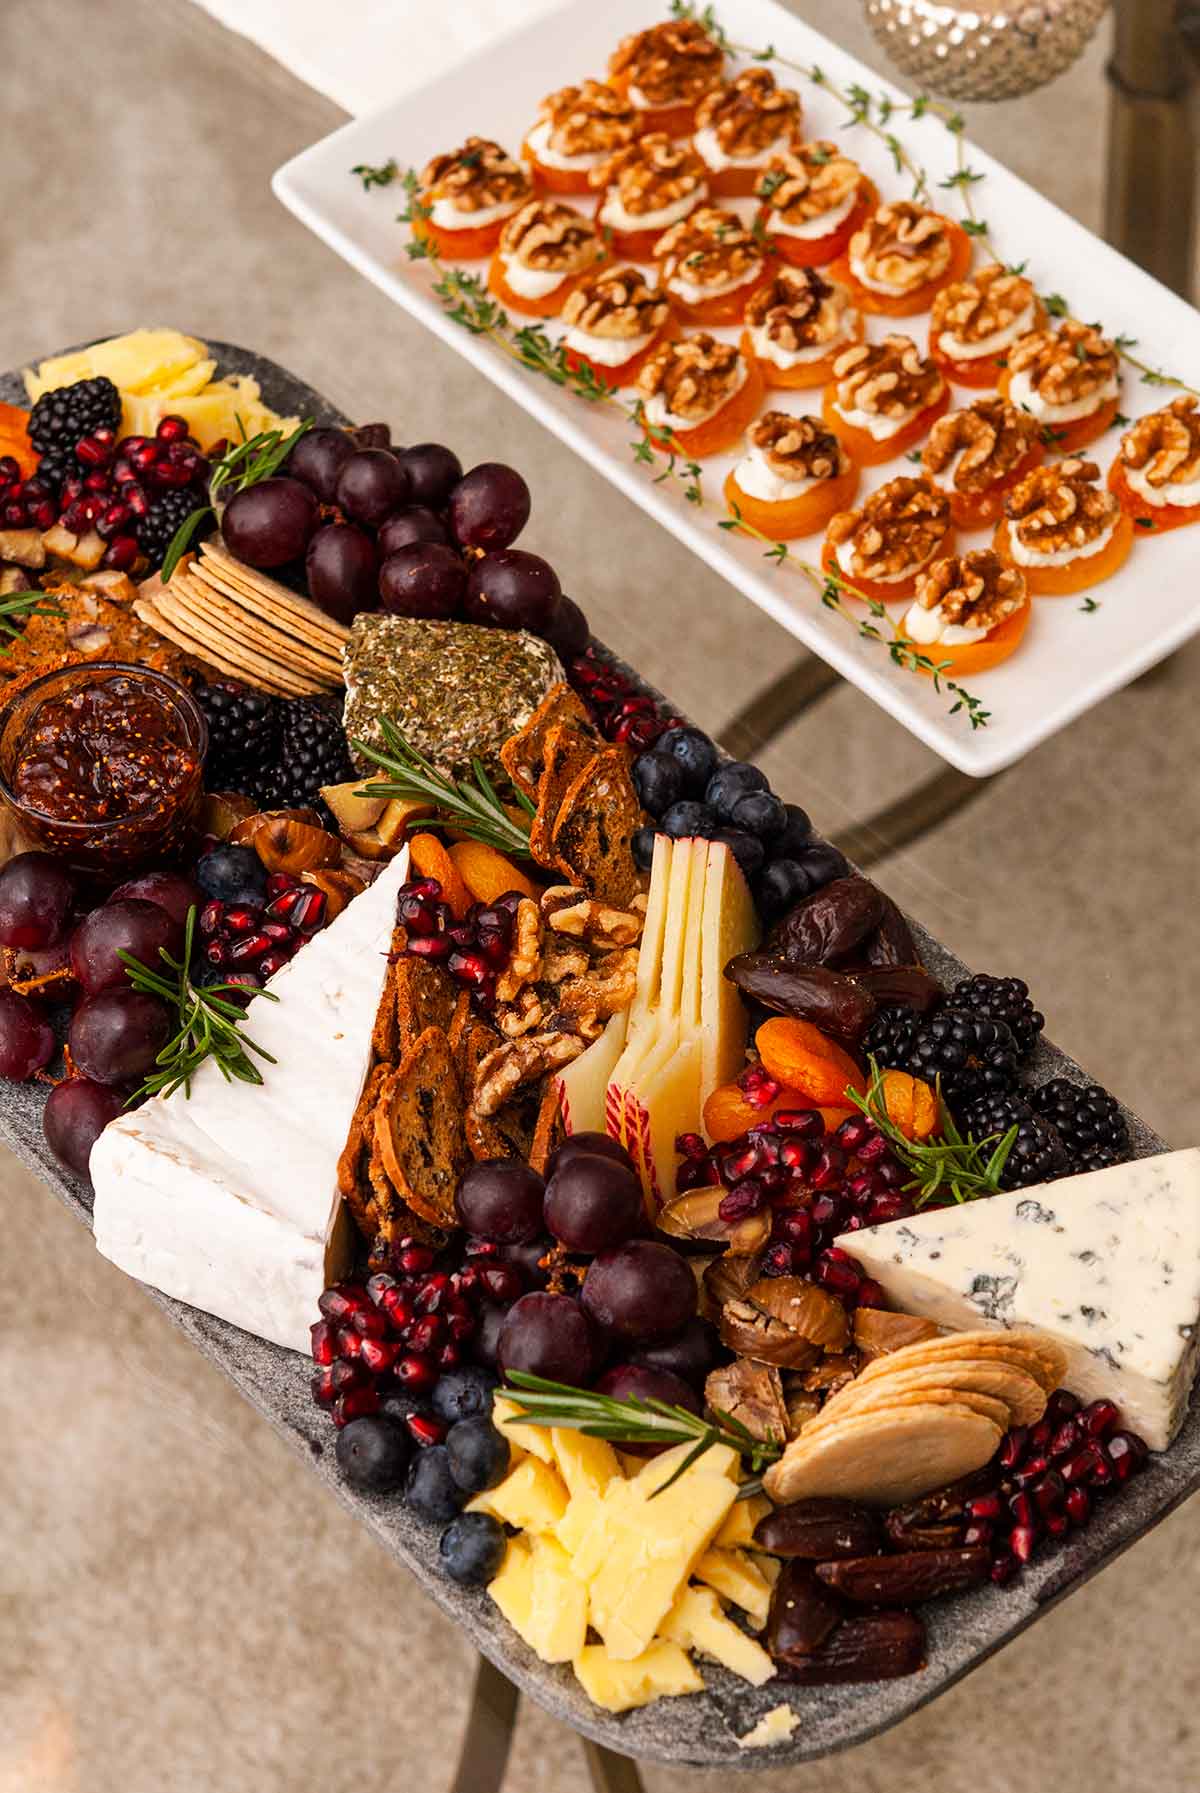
x=179, y=1608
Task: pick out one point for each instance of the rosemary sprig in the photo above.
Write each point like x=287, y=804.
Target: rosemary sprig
x=23, y=605
x=635, y=1421
x=210, y=1026
x=950, y=1164
x=473, y=807
x=252, y=459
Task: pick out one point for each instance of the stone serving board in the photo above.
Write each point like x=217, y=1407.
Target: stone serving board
x=699, y=1730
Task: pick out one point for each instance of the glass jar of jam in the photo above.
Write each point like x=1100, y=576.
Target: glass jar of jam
x=103, y=763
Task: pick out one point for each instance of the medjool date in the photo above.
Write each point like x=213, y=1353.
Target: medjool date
x=832, y=923
x=900, y=986
x=803, y=1614
x=907, y=1579
x=878, y=1647
x=892, y=942
x=821, y=1529
x=833, y=1001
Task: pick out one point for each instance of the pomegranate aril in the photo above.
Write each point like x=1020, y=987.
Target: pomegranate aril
x=43, y=514
x=309, y=913
x=414, y=1260
x=414, y=1373
x=217, y=953
x=872, y=1150
x=885, y=1208
x=985, y=1506
x=14, y=515
x=745, y=1198
x=349, y=1342
x=274, y=961
x=1066, y=1439
x=430, y=946
x=1078, y=1504
x=1004, y=1568
x=172, y=428
x=449, y=1357
x=277, y=883
x=839, y=1279
x=379, y=1354
x=342, y=1300
x=780, y=1260
x=1062, y=1405
x=356, y=1403
x=323, y=1342
x=121, y=553
x=321, y=1384
x=871, y=1293
x=1102, y=1475
x=805, y=1121
x=1099, y=1418
x=494, y=948
x=1057, y=1524
x=137, y=500
x=1127, y=1453
x=1021, y=1508
x=796, y=1153
x=854, y=1132
x=1079, y=1468
x=425, y=1429
x=460, y=1327
x=432, y=1293
x=425, y=1333
x=1022, y=1541
x=1050, y=1492
x=797, y=1226
x=368, y=1322
x=468, y=967
x=9, y=470
x=1032, y=1470
x=247, y=947
x=277, y=931
x=503, y=1282
x=1012, y=1447
x=91, y=451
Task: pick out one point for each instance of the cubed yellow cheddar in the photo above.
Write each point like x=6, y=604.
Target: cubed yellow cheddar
x=696, y=1622
x=587, y=1465
x=738, y=1529
x=531, y=1497
x=661, y=1670
x=737, y=1579
x=533, y=1440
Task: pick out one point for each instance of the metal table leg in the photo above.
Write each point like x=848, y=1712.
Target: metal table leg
x=609, y=1773
x=1150, y=201
x=487, y=1740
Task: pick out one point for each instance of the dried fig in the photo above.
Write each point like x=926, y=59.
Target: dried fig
x=908, y=1578
x=831, y=923
x=892, y=942
x=900, y=986
x=819, y=1529
x=878, y=1647
x=803, y=1614
x=831, y=1000
x=750, y=1393
x=695, y=1215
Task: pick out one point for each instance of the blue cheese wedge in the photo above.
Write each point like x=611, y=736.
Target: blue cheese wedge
x=1107, y=1263
x=228, y=1199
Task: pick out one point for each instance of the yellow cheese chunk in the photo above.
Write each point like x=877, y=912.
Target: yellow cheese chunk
x=586, y=1465
x=775, y=1726
x=737, y=1579
x=696, y=1622
x=512, y=1588
x=531, y=1497
x=738, y=1529
x=558, y=1620
x=534, y=1440
x=583, y=1511
x=660, y=1671
x=718, y=1459
x=769, y=1567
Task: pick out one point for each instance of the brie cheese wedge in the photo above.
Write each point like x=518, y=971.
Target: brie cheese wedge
x=227, y=1198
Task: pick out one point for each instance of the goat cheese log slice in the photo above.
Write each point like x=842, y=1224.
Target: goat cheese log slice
x=1107, y=1264
x=228, y=1199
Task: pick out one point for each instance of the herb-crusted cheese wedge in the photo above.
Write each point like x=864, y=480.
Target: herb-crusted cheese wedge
x=1107, y=1264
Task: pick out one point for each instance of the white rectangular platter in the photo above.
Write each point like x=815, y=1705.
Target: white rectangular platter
x=1075, y=653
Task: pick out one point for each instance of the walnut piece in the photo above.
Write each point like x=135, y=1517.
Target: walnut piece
x=798, y=308
x=750, y=113
x=1165, y=445
x=751, y=1393
x=708, y=248
x=525, y=960
x=509, y=1067
x=990, y=436
x=1060, y=505
x=990, y=300
x=1065, y=365
x=551, y=237
x=695, y=376
x=670, y=63
x=583, y=1003
x=585, y=918
x=797, y=447
x=900, y=246
x=617, y=303
x=887, y=379
x=975, y=590
x=521, y=1015
x=899, y=527
x=595, y=116
x=479, y=175
x=651, y=173
x=561, y=960
x=804, y=183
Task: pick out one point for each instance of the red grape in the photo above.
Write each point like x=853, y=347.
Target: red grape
x=513, y=590
x=489, y=507
x=640, y=1290
x=415, y=523
x=548, y=1335
x=689, y=1354
x=342, y=566
x=501, y=1200
x=37, y=895
x=126, y=924
x=592, y=1203
x=318, y=458
x=116, y=1036
x=433, y=472
x=627, y=1381
x=588, y=1145
x=76, y=1114
x=170, y=890
x=372, y=435
x=26, y=1037
x=426, y=580
x=568, y=633
x=270, y=523
x=371, y=485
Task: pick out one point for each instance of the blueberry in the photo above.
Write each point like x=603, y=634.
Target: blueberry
x=642, y=848
x=431, y=1490
x=472, y=1549
x=464, y=1394
x=687, y=818
x=823, y=863
x=759, y=813
x=786, y=881
x=485, y=1345
x=695, y=753
x=372, y=1453
x=478, y=1454
x=730, y=783
x=746, y=850
x=658, y=780
x=796, y=835
x=232, y=875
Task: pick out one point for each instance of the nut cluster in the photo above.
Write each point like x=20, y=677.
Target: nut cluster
x=478, y=175
x=975, y=590
x=552, y=237
x=899, y=527
x=709, y=247
x=797, y=447
x=807, y=181
x=693, y=376
x=990, y=437
x=652, y=172
x=888, y=379
x=991, y=300
x=902, y=245
x=1065, y=365
x=750, y=113
x=615, y=302
x=593, y=116
x=1060, y=505
x=1165, y=445
x=670, y=63
x=798, y=308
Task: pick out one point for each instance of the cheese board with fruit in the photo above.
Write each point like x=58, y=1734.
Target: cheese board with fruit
x=733, y=1312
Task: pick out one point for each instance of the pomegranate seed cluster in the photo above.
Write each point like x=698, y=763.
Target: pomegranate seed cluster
x=249, y=942
x=619, y=711
x=474, y=951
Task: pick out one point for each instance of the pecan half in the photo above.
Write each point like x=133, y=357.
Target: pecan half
x=804, y=183
x=975, y=591
x=708, y=248
x=615, y=302
x=750, y=113
x=984, y=442
x=992, y=299
x=1061, y=505
x=1065, y=365
x=899, y=527
x=1165, y=445
x=694, y=376
x=669, y=63
x=551, y=237
x=798, y=309
x=651, y=172
x=591, y=117
x=886, y=379
x=901, y=246
x=797, y=447
x=478, y=175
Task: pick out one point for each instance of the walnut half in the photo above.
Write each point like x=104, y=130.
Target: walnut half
x=694, y=376
x=887, y=379
x=1065, y=365
x=901, y=246
x=804, y=183
x=797, y=447
x=898, y=528
x=479, y=175
x=1060, y=505
x=651, y=173
x=989, y=301
x=708, y=248
x=1165, y=445
x=984, y=443
x=975, y=591
x=750, y=113
x=584, y=120
x=551, y=237
x=798, y=308
x=617, y=303
x=670, y=63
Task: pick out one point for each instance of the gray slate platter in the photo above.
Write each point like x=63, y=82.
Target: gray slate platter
x=698, y=1730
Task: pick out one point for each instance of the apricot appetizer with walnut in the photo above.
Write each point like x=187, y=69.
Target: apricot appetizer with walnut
x=740, y=125
x=614, y=319
x=794, y=476
x=1063, y=528
x=901, y=256
x=543, y=249
x=884, y=546
x=710, y=265
x=665, y=70
x=813, y=200
x=972, y=608
x=1069, y=380
x=1156, y=476
x=698, y=394
x=979, y=453
x=797, y=323
x=883, y=397
x=465, y=197
x=577, y=128
x=974, y=322
x=649, y=185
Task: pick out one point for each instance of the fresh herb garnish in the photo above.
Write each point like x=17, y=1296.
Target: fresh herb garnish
x=209, y=1024
x=381, y=176
x=1089, y=605
x=248, y=461
x=949, y=1164
x=23, y=605
x=472, y=806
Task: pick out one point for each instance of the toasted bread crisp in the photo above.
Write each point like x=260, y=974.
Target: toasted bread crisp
x=567, y=751
x=419, y=1128
x=352, y=1183
x=424, y=995
x=598, y=818
x=523, y=754
x=549, y=1131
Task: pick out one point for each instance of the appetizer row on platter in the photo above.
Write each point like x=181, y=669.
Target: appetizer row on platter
x=716, y=1286
x=782, y=299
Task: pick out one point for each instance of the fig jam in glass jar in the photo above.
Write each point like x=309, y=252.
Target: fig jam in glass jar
x=103, y=763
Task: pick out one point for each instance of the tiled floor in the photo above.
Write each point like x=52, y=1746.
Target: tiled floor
x=179, y=1607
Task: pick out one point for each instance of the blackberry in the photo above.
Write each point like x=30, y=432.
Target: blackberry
x=1002, y=999
x=61, y=417
x=243, y=738
x=891, y=1036
x=1037, y=1154
x=312, y=751
x=972, y=1056
x=156, y=530
x=1088, y=1120
x=55, y=466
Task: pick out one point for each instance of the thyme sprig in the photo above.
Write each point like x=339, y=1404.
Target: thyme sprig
x=473, y=806
x=18, y=607
x=209, y=1024
x=252, y=459
x=380, y=174
x=636, y=1421
x=951, y=1163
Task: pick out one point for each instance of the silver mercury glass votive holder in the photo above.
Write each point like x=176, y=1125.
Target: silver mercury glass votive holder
x=983, y=52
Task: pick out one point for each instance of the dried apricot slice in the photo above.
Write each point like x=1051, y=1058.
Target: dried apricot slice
x=432, y=860
x=486, y=873
x=911, y=1104
x=798, y=1054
